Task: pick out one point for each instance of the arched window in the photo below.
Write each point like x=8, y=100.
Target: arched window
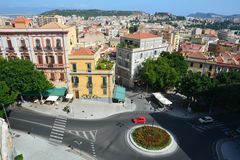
x=58, y=44
x=38, y=44
x=48, y=43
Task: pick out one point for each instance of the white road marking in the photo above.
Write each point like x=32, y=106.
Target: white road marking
x=56, y=137
x=85, y=135
x=60, y=131
x=59, y=125
x=58, y=122
x=58, y=134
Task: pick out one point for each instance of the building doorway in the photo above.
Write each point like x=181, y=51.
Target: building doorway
x=77, y=94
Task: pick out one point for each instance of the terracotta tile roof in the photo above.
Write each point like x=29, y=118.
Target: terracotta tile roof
x=21, y=20
x=83, y=51
x=191, y=47
x=140, y=35
x=197, y=55
x=53, y=25
x=228, y=58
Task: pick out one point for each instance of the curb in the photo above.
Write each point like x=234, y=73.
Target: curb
x=171, y=148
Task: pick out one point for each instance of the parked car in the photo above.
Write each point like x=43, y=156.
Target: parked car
x=139, y=119
x=205, y=119
x=238, y=130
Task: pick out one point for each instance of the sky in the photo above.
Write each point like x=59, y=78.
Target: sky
x=178, y=7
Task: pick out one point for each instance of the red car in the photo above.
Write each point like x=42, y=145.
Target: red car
x=139, y=119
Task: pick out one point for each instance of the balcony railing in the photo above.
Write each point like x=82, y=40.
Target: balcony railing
x=50, y=65
x=38, y=49
x=48, y=49
x=89, y=85
x=58, y=49
x=9, y=49
x=23, y=49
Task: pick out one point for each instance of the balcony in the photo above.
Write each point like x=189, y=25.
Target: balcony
x=38, y=49
x=10, y=49
x=48, y=49
x=89, y=85
x=58, y=49
x=23, y=49
x=50, y=65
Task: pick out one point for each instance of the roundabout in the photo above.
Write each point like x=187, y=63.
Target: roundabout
x=151, y=140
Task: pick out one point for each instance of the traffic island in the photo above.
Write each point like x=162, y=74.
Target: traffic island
x=151, y=140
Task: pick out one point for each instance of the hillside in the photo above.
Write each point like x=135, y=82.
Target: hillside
x=213, y=15
x=91, y=13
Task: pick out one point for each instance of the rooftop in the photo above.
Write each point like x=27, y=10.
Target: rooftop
x=53, y=25
x=140, y=35
x=82, y=51
x=21, y=20
x=197, y=55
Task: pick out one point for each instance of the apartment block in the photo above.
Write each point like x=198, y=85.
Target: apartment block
x=91, y=75
x=132, y=51
x=47, y=47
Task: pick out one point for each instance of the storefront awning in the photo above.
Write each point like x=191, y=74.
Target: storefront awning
x=61, y=92
x=52, y=98
x=162, y=99
x=69, y=96
x=119, y=93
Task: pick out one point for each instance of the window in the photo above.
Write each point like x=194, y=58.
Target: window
x=90, y=80
x=141, y=55
x=191, y=64
x=74, y=67
x=155, y=53
x=104, y=82
x=89, y=67
x=50, y=60
x=62, y=77
x=75, y=80
x=40, y=59
x=48, y=43
x=23, y=44
x=200, y=65
x=58, y=44
x=60, y=60
x=9, y=42
x=210, y=68
x=38, y=44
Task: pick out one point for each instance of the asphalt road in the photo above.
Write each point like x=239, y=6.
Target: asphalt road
x=106, y=138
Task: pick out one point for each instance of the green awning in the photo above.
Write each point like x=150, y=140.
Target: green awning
x=119, y=93
x=61, y=92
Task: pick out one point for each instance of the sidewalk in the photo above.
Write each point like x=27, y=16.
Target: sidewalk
x=228, y=149
x=83, y=109
x=36, y=148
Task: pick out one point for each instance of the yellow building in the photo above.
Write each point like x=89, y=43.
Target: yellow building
x=91, y=76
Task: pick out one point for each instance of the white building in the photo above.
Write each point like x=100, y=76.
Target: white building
x=7, y=149
x=133, y=50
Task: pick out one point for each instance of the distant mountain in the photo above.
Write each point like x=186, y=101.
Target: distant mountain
x=90, y=12
x=213, y=15
x=204, y=15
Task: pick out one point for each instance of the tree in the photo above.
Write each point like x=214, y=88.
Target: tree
x=177, y=61
x=6, y=97
x=21, y=76
x=193, y=84
x=158, y=73
x=228, y=78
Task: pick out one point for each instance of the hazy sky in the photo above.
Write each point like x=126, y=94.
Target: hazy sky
x=179, y=7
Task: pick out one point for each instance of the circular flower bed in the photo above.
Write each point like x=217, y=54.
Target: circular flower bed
x=151, y=138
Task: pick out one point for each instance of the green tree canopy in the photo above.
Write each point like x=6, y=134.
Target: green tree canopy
x=158, y=73
x=6, y=96
x=21, y=76
x=228, y=78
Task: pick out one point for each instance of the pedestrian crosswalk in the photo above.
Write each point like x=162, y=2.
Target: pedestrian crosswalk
x=89, y=135
x=216, y=124
x=204, y=127
x=58, y=129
